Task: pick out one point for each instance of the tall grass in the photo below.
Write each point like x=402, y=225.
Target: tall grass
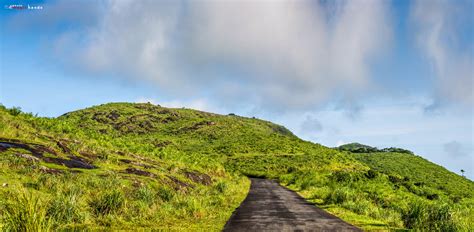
x=65, y=209
x=111, y=201
x=145, y=194
x=24, y=211
x=430, y=217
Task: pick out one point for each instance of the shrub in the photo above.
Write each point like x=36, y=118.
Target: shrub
x=14, y=111
x=24, y=211
x=371, y=174
x=345, y=176
x=108, y=202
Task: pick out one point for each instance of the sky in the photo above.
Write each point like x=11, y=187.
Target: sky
x=383, y=73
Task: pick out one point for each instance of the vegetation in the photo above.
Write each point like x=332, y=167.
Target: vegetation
x=361, y=148
x=124, y=165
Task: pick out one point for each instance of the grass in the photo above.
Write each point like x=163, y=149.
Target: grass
x=24, y=211
x=160, y=168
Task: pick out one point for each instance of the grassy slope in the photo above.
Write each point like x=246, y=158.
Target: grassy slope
x=162, y=196
x=174, y=142
x=419, y=172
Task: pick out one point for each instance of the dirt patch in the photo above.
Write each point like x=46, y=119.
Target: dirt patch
x=164, y=143
x=178, y=184
x=127, y=161
x=50, y=170
x=139, y=172
x=200, y=178
x=148, y=160
x=89, y=155
x=197, y=126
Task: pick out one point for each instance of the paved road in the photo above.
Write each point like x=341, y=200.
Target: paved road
x=271, y=207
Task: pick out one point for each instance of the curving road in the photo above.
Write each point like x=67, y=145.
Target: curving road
x=271, y=207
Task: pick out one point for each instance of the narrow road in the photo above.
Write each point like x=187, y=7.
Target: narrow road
x=271, y=207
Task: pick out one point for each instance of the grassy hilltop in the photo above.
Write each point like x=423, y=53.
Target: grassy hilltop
x=124, y=165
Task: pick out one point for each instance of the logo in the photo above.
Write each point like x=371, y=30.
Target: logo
x=23, y=7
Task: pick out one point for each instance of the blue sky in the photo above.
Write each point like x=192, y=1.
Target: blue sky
x=384, y=73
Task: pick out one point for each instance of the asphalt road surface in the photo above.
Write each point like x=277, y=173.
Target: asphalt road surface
x=271, y=207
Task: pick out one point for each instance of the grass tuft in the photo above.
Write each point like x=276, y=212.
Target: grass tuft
x=25, y=211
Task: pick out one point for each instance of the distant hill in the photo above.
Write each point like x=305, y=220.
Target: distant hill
x=361, y=148
x=132, y=166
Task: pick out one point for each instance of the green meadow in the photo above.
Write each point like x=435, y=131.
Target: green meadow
x=142, y=166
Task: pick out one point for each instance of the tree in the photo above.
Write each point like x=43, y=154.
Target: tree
x=462, y=172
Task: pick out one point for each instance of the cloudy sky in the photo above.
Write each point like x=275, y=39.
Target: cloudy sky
x=384, y=73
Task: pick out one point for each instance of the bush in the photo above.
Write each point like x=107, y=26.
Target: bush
x=14, y=111
x=371, y=174
x=24, y=211
x=345, y=176
x=108, y=202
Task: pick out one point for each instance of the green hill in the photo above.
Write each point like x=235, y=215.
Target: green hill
x=414, y=172
x=124, y=165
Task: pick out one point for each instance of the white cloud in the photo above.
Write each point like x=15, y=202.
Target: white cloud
x=439, y=26
x=289, y=54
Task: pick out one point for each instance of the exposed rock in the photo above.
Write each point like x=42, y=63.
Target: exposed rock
x=139, y=172
x=38, y=151
x=125, y=161
x=28, y=157
x=89, y=155
x=158, y=143
x=178, y=184
x=113, y=115
x=197, y=177
x=197, y=126
x=50, y=170
x=63, y=146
